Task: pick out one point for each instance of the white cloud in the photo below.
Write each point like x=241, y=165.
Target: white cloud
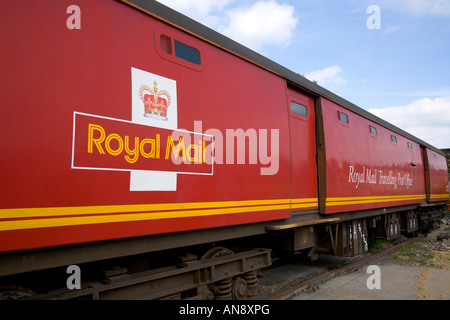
x=427, y=119
x=199, y=10
x=264, y=23
x=423, y=7
x=327, y=76
x=391, y=29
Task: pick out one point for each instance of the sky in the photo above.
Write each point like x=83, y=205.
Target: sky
x=390, y=57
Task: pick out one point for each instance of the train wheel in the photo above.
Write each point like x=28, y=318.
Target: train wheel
x=239, y=289
x=216, y=252
x=227, y=289
x=221, y=289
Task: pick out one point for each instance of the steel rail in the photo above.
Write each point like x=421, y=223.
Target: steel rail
x=291, y=292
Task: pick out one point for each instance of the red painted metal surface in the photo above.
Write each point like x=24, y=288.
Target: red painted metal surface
x=303, y=152
x=439, y=187
x=92, y=120
x=56, y=81
x=367, y=171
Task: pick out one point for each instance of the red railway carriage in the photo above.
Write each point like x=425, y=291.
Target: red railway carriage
x=89, y=123
x=368, y=165
x=128, y=129
x=436, y=176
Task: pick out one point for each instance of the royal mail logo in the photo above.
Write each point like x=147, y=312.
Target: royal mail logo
x=150, y=146
x=115, y=144
x=155, y=102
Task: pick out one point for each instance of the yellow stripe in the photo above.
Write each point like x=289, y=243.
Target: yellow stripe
x=340, y=201
x=436, y=196
x=376, y=197
x=81, y=220
x=304, y=203
x=126, y=213
x=39, y=223
x=89, y=210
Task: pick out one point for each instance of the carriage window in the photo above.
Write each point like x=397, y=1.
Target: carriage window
x=373, y=130
x=342, y=117
x=180, y=52
x=187, y=53
x=410, y=146
x=166, y=43
x=298, y=108
x=393, y=138
x=435, y=156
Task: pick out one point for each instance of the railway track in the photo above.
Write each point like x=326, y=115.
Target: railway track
x=215, y=270
x=120, y=288
x=294, y=290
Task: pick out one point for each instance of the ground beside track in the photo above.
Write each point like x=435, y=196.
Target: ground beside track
x=420, y=271
x=296, y=271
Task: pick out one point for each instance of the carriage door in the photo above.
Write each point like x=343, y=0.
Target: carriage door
x=303, y=151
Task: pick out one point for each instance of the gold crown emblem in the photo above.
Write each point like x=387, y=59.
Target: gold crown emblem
x=156, y=102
